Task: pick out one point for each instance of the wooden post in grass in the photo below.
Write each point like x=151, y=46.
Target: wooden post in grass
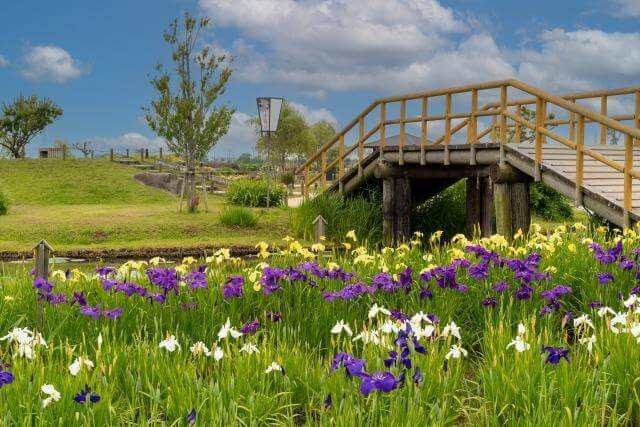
x=160, y=154
x=111, y=154
x=127, y=153
x=320, y=226
x=141, y=155
x=205, y=190
x=42, y=253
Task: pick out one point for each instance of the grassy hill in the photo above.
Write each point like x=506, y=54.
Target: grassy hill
x=80, y=204
x=74, y=181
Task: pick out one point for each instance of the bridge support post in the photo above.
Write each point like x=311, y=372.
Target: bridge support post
x=396, y=210
x=479, y=206
x=512, y=207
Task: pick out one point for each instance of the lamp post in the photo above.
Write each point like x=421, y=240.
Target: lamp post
x=269, y=116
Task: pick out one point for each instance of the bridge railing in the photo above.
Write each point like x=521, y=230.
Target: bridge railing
x=448, y=113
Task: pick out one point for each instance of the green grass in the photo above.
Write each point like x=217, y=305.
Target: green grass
x=82, y=204
x=141, y=384
x=238, y=216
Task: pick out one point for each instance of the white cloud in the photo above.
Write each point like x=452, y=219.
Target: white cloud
x=240, y=139
x=50, y=63
x=314, y=116
x=3, y=61
x=582, y=60
x=627, y=8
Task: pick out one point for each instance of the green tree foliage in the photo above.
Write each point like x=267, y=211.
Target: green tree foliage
x=23, y=119
x=184, y=113
x=526, y=134
x=295, y=139
x=549, y=204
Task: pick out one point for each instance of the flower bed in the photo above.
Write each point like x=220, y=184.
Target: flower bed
x=543, y=332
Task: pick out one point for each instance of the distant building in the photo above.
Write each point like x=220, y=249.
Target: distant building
x=52, y=153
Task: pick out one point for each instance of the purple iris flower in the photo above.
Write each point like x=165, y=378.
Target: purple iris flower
x=384, y=282
x=479, y=271
x=79, y=298
x=165, y=278
x=606, y=257
x=349, y=292
x=196, y=280
x=501, y=287
x=353, y=367
x=524, y=292
x=405, y=279
x=393, y=358
x=6, y=377
x=105, y=271
x=233, y=287
x=489, y=302
x=54, y=299
x=554, y=354
x=556, y=292
x=398, y=315
x=596, y=304
x=635, y=290
x=382, y=381
x=81, y=397
x=328, y=402
x=274, y=317
x=191, y=417
x=159, y=298
x=605, y=278
x=417, y=376
x=91, y=311
x=625, y=263
x=113, y=314
x=425, y=293
x=42, y=285
x=250, y=327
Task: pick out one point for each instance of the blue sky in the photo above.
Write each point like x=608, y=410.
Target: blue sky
x=330, y=57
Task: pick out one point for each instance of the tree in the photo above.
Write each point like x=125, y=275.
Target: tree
x=295, y=139
x=526, y=134
x=184, y=113
x=614, y=136
x=23, y=119
x=84, y=147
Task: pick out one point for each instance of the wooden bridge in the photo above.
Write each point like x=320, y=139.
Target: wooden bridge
x=584, y=145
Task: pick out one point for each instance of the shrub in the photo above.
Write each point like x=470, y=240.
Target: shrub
x=253, y=193
x=549, y=204
x=445, y=211
x=4, y=204
x=360, y=213
x=238, y=216
x=287, y=178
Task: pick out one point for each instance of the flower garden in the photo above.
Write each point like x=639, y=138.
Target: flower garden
x=541, y=331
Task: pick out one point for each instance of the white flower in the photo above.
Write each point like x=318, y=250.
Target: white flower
x=635, y=330
x=619, y=318
x=99, y=340
x=170, y=344
x=451, y=329
x=521, y=329
x=273, y=367
x=226, y=330
x=340, y=327
x=25, y=350
x=519, y=344
x=51, y=392
x=389, y=327
x=604, y=310
x=418, y=318
x=588, y=341
x=19, y=335
x=38, y=339
x=582, y=320
x=375, y=309
x=352, y=235
x=200, y=348
x=77, y=364
x=633, y=298
x=426, y=332
x=249, y=348
x=368, y=337
x=218, y=354
x=456, y=352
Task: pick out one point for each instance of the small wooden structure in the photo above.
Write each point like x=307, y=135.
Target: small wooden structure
x=487, y=145
x=53, y=152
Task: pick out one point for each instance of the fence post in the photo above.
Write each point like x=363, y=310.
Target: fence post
x=111, y=154
x=141, y=154
x=146, y=153
x=43, y=251
x=320, y=226
x=160, y=155
x=64, y=151
x=127, y=153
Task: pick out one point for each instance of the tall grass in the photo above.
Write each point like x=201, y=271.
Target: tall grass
x=238, y=216
x=446, y=211
x=360, y=213
x=4, y=204
x=255, y=193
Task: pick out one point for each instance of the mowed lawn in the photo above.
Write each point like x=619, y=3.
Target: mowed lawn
x=96, y=204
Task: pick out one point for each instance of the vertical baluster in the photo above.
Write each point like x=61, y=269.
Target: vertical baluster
x=603, y=128
x=383, y=119
x=572, y=124
x=638, y=114
x=403, y=113
x=628, y=189
x=341, y=157
x=579, y=161
x=447, y=128
x=324, y=170
x=539, y=125
x=305, y=183
x=494, y=126
x=360, y=144
x=472, y=127
x=503, y=124
x=518, y=133
x=544, y=121
x=423, y=139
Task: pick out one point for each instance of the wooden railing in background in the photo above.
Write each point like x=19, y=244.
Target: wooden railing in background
x=503, y=119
